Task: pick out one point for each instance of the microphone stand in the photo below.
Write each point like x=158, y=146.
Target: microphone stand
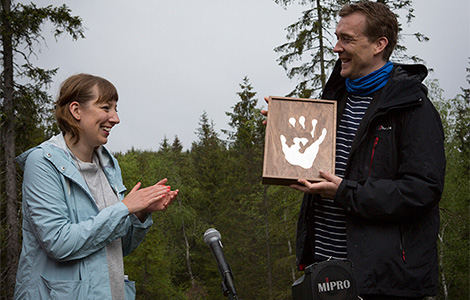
x=228, y=292
x=212, y=239
x=228, y=287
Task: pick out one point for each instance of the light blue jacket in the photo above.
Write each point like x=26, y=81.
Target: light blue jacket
x=64, y=234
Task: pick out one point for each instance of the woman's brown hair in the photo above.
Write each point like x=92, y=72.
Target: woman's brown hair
x=80, y=88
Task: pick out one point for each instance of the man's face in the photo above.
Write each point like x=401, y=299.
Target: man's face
x=358, y=55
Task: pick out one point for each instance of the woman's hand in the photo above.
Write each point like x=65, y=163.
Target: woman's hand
x=149, y=199
x=167, y=200
x=162, y=204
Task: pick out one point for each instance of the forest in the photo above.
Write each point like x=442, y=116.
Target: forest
x=219, y=178
x=220, y=184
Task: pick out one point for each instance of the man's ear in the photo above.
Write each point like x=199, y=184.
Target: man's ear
x=380, y=45
x=74, y=108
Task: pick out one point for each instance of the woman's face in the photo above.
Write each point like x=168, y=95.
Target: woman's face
x=96, y=121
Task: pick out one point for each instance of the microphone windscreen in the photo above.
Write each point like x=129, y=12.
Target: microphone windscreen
x=211, y=235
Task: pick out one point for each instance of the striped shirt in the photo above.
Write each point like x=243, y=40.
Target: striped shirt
x=330, y=219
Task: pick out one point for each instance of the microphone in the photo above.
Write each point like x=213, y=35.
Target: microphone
x=212, y=239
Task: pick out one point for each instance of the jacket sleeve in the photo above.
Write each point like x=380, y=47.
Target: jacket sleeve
x=52, y=219
x=418, y=180
x=136, y=230
x=136, y=233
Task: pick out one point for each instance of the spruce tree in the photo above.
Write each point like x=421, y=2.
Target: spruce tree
x=24, y=106
x=454, y=233
x=308, y=55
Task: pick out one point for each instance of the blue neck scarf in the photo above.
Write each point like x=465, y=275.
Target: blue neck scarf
x=370, y=83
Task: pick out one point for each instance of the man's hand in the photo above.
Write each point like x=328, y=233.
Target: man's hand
x=327, y=189
x=265, y=112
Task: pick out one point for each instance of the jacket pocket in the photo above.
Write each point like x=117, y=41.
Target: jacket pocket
x=63, y=289
x=129, y=290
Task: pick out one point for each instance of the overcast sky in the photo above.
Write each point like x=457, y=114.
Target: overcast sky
x=171, y=60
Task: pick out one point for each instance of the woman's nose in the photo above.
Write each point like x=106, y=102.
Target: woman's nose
x=114, y=118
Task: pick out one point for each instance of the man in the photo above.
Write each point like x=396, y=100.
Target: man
x=380, y=210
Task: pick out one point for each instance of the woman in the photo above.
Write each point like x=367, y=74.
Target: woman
x=77, y=224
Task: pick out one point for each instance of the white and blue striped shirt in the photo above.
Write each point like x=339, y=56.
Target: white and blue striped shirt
x=330, y=220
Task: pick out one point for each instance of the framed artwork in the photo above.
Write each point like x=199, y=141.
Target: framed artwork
x=300, y=140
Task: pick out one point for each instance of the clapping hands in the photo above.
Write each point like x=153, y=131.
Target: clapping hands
x=141, y=201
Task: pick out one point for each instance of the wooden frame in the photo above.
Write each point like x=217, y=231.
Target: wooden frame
x=300, y=140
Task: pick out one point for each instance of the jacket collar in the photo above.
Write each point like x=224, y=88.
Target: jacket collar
x=55, y=150
x=403, y=87
x=58, y=144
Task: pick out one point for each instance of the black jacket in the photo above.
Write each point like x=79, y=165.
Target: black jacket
x=392, y=186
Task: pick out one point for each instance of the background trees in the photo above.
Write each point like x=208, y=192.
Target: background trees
x=454, y=244
x=220, y=185
x=308, y=55
x=219, y=179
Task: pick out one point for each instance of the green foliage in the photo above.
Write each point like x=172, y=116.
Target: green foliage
x=208, y=168
x=220, y=181
x=309, y=42
x=32, y=104
x=454, y=243
x=220, y=186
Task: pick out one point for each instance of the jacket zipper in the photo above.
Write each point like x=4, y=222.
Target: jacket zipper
x=376, y=141
x=401, y=245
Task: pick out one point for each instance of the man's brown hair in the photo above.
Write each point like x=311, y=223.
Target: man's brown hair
x=380, y=20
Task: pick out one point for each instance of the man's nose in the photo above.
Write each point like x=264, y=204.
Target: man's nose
x=337, y=47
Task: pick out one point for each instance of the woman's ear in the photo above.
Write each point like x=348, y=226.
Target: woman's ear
x=74, y=108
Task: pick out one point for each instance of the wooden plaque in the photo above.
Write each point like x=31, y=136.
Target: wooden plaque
x=300, y=140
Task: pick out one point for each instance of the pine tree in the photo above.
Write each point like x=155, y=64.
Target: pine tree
x=246, y=145
x=208, y=164
x=310, y=42
x=207, y=196
x=164, y=145
x=176, y=146
x=454, y=234
x=23, y=106
x=247, y=139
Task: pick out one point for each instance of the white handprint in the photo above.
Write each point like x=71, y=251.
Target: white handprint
x=292, y=153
